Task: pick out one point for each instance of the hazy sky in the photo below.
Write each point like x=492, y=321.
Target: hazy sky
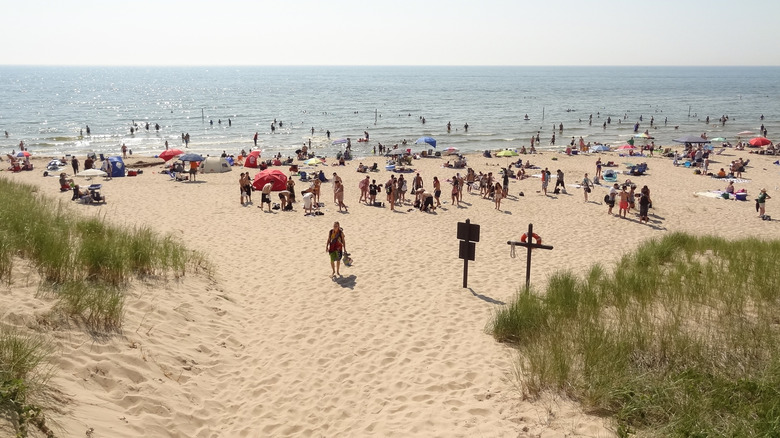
x=390, y=32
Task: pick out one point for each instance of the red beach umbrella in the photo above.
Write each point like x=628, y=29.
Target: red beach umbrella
x=626, y=146
x=759, y=141
x=170, y=153
x=276, y=177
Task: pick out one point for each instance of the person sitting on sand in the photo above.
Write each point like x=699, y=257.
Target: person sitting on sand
x=730, y=188
x=78, y=193
x=65, y=182
x=722, y=173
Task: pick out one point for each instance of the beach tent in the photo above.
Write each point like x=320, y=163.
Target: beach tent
x=215, y=165
x=276, y=177
x=117, y=167
x=253, y=159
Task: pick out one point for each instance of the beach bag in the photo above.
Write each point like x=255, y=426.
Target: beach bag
x=606, y=198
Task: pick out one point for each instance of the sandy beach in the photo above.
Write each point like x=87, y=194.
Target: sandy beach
x=272, y=346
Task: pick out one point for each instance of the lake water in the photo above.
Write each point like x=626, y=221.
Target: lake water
x=47, y=107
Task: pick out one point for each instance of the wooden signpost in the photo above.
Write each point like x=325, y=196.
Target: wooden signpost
x=529, y=241
x=468, y=234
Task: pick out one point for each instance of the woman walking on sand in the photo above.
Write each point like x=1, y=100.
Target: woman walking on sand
x=761, y=201
x=498, y=194
x=586, y=186
x=335, y=245
x=339, y=193
x=455, y=201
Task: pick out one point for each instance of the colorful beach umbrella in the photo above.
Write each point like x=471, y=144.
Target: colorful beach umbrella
x=170, y=153
x=312, y=162
x=507, y=153
x=89, y=173
x=191, y=157
x=691, y=139
x=23, y=154
x=759, y=141
x=276, y=177
x=625, y=146
x=451, y=151
x=426, y=140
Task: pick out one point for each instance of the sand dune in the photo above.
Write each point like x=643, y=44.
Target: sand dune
x=272, y=346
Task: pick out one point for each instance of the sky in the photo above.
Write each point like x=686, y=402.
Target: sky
x=390, y=32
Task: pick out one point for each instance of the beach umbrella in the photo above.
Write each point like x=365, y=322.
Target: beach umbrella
x=759, y=141
x=626, y=146
x=691, y=139
x=507, y=153
x=451, y=151
x=276, y=177
x=191, y=157
x=426, y=140
x=599, y=148
x=170, y=153
x=89, y=173
x=23, y=154
x=312, y=161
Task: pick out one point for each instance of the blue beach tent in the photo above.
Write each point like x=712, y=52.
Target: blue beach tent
x=117, y=167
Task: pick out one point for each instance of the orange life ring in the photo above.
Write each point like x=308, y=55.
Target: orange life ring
x=524, y=238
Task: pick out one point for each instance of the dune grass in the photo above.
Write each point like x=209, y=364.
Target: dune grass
x=85, y=261
x=682, y=338
x=24, y=377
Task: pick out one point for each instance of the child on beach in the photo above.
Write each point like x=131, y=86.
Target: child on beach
x=623, y=206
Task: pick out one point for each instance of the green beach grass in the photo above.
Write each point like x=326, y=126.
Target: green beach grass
x=681, y=338
x=86, y=264
x=24, y=377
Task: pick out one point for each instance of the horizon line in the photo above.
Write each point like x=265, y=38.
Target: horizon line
x=395, y=65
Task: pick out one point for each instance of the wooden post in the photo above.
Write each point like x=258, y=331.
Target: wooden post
x=468, y=234
x=529, y=245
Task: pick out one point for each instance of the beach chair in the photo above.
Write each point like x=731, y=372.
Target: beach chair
x=374, y=168
x=304, y=176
